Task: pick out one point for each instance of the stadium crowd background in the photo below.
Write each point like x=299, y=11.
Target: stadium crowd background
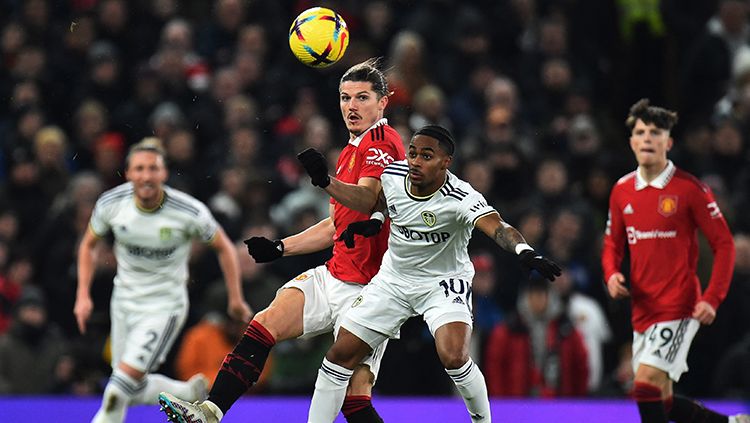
x=536, y=92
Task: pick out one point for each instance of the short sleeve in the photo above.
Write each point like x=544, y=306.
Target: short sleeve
x=204, y=226
x=474, y=206
x=379, y=155
x=101, y=217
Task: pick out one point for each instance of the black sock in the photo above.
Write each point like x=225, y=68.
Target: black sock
x=650, y=405
x=359, y=409
x=685, y=410
x=242, y=367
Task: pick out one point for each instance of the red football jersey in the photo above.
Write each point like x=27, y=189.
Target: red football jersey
x=365, y=156
x=658, y=220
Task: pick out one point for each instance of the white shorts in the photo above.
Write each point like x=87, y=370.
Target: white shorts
x=389, y=300
x=142, y=336
x=665, y=345
x=326, y=300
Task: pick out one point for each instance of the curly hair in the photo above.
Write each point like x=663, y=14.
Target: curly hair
x=659, y=116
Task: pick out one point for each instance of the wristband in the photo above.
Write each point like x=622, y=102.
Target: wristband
x=378, y=216
x=521, y=247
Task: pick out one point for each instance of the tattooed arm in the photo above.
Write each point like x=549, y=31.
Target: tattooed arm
x=505, y=236
x=511, y=240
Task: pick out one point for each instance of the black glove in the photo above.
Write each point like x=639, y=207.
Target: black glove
x=531, y=260
x=366, y=228
x=263, y=249
x=316, y=166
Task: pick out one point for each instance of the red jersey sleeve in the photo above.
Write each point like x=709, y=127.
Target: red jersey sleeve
x=711, y=222
x=614, y=238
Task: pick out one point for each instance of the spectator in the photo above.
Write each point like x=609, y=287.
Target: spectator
x=589, y=319
x=33, y=354
x=537, y=352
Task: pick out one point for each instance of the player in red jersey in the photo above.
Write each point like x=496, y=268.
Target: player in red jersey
x=656, y=210
x=313, y=302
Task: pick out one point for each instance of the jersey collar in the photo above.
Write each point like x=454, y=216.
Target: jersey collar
x=407, y=188
x=157, y=207
x=659, y=182
x=355, y=142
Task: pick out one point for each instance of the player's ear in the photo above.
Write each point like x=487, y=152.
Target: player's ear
x=447, y=162
x=670, y=143
x=383, y=102
x=632, y=143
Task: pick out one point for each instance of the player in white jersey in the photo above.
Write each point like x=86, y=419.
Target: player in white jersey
x=153, y=227
x=426, y=271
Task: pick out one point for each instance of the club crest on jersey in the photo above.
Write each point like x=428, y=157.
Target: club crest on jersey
x=352, y=160
x=667, y=205
x=429, y=218
x=165, y=234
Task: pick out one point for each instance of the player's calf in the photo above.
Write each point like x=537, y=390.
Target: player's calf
x=242, y=367
x=359, y=409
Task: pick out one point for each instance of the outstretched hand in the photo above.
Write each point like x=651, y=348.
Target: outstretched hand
x=366, y=228
x=263, y=249
x=531, y=260
x=316, y=166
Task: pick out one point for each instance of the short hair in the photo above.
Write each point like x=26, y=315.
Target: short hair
x=368, y=71
x=442, y=135
x=151, y=144
x=659, y=116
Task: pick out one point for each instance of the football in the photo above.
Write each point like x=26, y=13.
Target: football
x=318, y=37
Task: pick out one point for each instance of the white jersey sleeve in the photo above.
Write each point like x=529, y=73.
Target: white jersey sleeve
x=106, y=208
x=204, y=226
x=474, y=209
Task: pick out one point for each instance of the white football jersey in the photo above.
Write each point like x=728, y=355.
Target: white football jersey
x=152, y=248
x=430, y=235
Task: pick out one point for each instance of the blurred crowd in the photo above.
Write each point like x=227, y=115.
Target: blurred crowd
x=535, y=92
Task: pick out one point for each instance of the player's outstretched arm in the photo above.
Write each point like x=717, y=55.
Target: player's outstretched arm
x=86, y=258
x=508, y=237
x=237, y=307
x=360, y=196
x=315, y=238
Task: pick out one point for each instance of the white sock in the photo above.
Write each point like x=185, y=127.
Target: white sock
x=330, y=390
x=470, y=383
x=119, y=393
x=156, y=383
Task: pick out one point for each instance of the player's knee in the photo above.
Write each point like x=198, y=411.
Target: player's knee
x=269, y=318
x=344, y=357
x=283, y=317
x=454, y=359
x=652, y=377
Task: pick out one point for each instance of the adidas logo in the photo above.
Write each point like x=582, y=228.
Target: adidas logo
x=628, y=209
x=458, y=300
x=392, y=210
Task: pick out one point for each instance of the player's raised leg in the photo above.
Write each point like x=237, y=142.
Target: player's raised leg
x=242, y=367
